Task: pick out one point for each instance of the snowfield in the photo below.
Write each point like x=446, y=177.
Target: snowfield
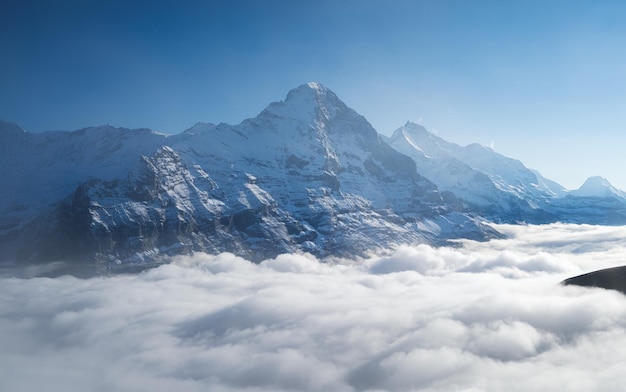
x=479, y=317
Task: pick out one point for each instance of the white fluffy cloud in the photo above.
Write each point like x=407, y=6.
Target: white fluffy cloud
x=479, y=317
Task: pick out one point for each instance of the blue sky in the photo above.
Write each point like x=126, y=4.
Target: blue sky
x=543, y=81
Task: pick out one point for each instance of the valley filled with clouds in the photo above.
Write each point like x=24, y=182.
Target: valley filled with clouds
x=486, y=316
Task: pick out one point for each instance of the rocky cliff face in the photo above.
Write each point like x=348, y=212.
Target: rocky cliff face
x=308, y=174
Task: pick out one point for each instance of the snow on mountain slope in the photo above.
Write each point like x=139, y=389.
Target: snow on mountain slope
x=40, y=169
x=501, y=188
x=323, y=163
x=434, y=158
x=307, y=174
x=552, y=188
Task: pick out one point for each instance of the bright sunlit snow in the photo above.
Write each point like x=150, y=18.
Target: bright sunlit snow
x=481, y=317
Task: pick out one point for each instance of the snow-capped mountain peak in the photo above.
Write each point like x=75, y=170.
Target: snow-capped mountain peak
x=417, y=137
x=310, y=101
x=597, y=186
x=502, y=187
x=411, y=126
x=312, y=90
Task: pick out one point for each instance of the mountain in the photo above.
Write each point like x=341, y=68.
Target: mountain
x=598, y=187
x=502, y=189
x=307, y=174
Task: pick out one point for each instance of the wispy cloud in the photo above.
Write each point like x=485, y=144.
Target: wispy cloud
x=481, y=317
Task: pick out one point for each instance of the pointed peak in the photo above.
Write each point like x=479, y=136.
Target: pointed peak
x=315, y=86
x=412, y=130
x=306, y=102
x=312, y=86
x=414, y=125
x=598, y=186
x=311, y=90
x=597, y=180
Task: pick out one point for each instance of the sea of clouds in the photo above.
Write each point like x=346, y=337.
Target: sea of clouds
x=478, y=317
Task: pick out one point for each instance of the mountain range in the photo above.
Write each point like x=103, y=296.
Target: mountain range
x=308, y=174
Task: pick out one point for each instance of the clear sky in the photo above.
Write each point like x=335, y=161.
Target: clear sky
x=541, y=81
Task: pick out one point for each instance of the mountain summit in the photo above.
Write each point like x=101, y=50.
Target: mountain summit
x=308, y=102
x=598, y=187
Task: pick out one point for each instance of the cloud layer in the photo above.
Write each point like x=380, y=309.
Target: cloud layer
x=480, y=317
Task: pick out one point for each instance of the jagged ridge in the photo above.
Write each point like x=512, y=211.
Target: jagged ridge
x=307, y=174
x=503, y=189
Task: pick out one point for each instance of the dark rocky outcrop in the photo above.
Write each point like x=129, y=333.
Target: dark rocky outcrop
x=609, y=278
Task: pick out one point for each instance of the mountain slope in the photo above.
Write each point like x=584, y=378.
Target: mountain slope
x=503, y=189
x=307, y=174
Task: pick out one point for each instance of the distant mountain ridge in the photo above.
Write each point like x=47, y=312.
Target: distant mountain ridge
x=503, y=189
x=308, y=174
